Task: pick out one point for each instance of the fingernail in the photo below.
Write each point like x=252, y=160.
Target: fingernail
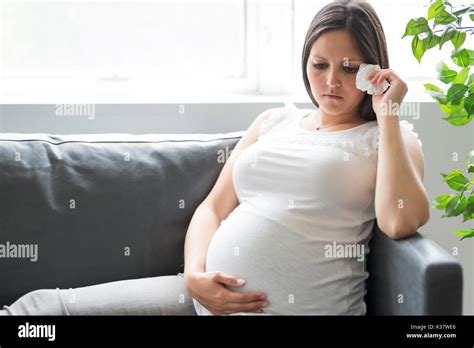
x=240, y=282
x=265, y=304
x=262, y=297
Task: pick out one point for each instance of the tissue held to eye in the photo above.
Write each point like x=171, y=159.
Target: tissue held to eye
x=363, y=83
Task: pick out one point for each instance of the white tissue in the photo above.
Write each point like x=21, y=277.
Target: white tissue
x=363, y=83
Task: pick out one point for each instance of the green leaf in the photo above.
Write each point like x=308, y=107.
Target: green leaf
x=468, y=213
x=461, y=57
x=416, y=26
x=440, y=202
x=453, y=109
x=461, y=76
x=471, y=56
x=452, y=174
x=458, y=108
x=445, y=108
x=471, y=16
x=467, y=216
x=446, y=36
x=435, y=92
x=445, y=75
x=464, y=233
x=430, y=87
x=470, y=156
x=447, y=3
x=435, y=8
x=444, y=17
x=457, y=114
x=430, y=41
x=441, y=101
x=457, y=119
x=459, y=13
x=441, y=66
x=417, y=48
x=458, y=39
x=455, y=93
x=466, y=187
x=456, y=206
x=456, y=180
x=469, y=104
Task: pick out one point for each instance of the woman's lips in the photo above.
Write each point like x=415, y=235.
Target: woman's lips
x=332, y=96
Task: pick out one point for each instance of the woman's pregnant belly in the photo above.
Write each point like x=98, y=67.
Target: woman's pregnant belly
x=294, y=272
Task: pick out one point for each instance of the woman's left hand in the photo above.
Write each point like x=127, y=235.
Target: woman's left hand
x=385, y=104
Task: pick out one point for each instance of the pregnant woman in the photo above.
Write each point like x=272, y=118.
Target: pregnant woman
x=285, y=229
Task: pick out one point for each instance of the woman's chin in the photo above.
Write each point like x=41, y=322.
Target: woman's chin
x=330, y=109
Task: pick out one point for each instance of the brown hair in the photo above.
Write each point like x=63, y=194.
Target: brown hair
x=359, y=19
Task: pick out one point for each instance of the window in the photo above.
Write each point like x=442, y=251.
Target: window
x=123, y=47
x=160, y=48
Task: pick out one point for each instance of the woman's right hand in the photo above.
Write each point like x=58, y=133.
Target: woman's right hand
x=209, y=290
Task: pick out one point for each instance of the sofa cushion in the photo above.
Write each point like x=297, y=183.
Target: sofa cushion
x=100, y=207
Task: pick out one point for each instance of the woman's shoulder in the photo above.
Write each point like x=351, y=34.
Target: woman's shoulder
x=278, y=117
x=371, y=133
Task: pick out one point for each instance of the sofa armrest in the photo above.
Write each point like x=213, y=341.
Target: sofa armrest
x=412, y=276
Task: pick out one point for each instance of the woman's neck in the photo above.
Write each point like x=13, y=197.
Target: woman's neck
x=323, y=119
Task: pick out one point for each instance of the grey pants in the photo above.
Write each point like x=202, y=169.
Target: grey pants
x=166, y=295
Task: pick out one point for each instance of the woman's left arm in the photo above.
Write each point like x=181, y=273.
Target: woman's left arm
x=401, y=201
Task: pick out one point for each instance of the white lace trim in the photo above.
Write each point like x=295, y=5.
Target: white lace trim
x=361, y=148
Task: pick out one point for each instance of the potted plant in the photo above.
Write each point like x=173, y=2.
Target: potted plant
x=445, y=23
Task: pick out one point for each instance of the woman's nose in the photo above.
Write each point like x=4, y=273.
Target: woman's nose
x=333, y=80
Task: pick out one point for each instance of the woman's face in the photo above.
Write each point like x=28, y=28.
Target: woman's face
x=332, y=68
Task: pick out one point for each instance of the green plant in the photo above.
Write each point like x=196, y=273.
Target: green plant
x=444, y=23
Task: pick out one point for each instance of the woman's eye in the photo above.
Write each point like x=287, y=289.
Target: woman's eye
x=319, y=66
x=350, y=70
x=347, y=69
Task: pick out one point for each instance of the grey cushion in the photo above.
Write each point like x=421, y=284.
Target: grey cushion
x=85, y=199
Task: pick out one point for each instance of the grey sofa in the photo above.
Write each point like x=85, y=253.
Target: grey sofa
x=102, y=208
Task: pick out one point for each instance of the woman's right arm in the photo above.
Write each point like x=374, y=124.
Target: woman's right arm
x=220, y=202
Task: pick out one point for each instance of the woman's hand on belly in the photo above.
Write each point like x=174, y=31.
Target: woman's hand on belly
x=210, y=291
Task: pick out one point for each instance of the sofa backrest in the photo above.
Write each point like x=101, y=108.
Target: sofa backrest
x=99, y=208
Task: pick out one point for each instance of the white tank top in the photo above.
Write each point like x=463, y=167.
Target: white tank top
x=306, y=214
